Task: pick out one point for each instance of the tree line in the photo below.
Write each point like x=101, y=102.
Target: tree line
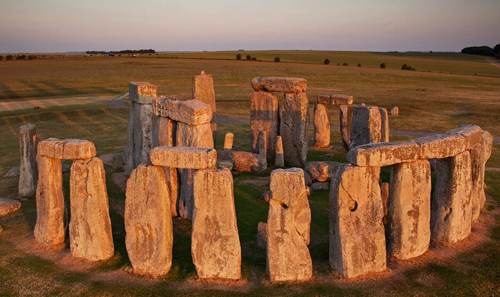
x=483, y=51
x=141, y=51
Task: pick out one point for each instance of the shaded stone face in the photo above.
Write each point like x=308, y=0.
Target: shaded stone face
x=148, y=221
x=262, y=235
x=288, y=227
x=384, y=126
x=264, y=117
x=294, y=128
x=357, y=239
x=321, y=126
x=366, y=126
x=279, y=84
x=184, y=157
x=203, y=90
x=279, y=161
x=28, y=172
x=139, y=136
x=118, y=162
x=192, y=112
x=451, y=212
x=322, y=170
x=478, y=164
x=384, y=154
x=346, y=112
x=67, y=149
x=49, y=228
x=409, y=210
x=90, y=233
x=142, y=92
x=215, y=243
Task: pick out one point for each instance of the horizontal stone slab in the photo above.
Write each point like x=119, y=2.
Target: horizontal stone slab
x=192, y=112
x=384, y=154
x=441, y=146
x=471, y=133
x=142, y=92
x=279, y=84
x=340, y=99
x=184, y=157
x=323, y=99
x=67, y=149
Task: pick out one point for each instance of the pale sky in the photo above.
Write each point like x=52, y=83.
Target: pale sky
x=196, y=25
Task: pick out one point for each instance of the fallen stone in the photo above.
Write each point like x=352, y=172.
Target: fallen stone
x=13, y=172
x=294, y=128
x=395, y=111
x=322, y=170
x=264, y=117
x=279, y=84
x=262, y=235
x=49, y=228
x=279, y=160
x=319, y=186
x=441, y=146
x=8, y=206
x=451, y=209
x=409, y=210
x=321, y=126
x=28, y=172
x=307, y=178
x=228, y=141
x=384, y=154
x=67, y=149
x=191, y=112
x=184, y=157
x=118, y=163
x=340, y=99
x=384, y=130
x=346, y=112
x=203, y=90
x=244, y=161
x=288, y=227
x=357, y=239
x=148, y=221
x=472, y=134
x=366, y=126
x=90, y=235
x=141, y=92
x=215, y=243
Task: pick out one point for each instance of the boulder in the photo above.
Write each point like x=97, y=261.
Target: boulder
x=395, y=111
x=90, y=235
x=203, y=90
x=8, y=206
x=148, y=221
x=244, y=161
x=321, y=126
x=322, y=170
x=384, y=154
x=409, y=210
x=366, y=126
x=279, y=160
x=184, y=157
x=191, y=112
x=215, y=243
x=279, y=84
x=141, y=92
x=346, y=112
x=357, y=239
x=50, y=225
x=294, y=128
x=67, y=149
x=288, y=227
x=15, y=172
x=451, y=208
x=28, y=172
x=264, y=117
x=228, y=141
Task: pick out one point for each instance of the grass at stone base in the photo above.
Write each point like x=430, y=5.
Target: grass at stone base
x=23, y=273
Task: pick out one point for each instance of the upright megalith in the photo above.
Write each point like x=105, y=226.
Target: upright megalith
x=203, y=90
x=384, y=124
x=215, y=243
x=148, y=221
x=228, y=141
x=294, y=127
x=140, y=126
x=321, y=126
x=451, y=210
x=90, y=235
x=288, y=227
x=357, y=239
x=346, y=112
x=366, y=126
x=28, y=173
x=50, y=225
x=409, y=210
x=264, y=117
x=279, y=160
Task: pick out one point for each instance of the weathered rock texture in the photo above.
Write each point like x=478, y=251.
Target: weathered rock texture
x=322, y=170
x=294, y=128
x=357, y=239
x=8, y=205
x=340, y=99
x=67, y=149
x=478, y=163
x=141, y=92
x=321, y=126
x=451, y=214
x=184, y=157
x=319, y=186
x=203, y=90
x=118, y=162
x=264, y=117
x=346, y=112
x=409, y=210
x=148, y=221
x=384, y=154
x=90, y=234
x=49, y=228
x=139, y=136
x=262, y=235
x=244, y=161
x=384, y=190
x=288, y=227
x=228, y=141
x=279, y=160
x=366, y=126
x=192, y=112
x=28, y=173
x=215, y=243
x=279, y=84
x=384, y=124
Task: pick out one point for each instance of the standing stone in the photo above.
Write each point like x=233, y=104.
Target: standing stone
x=409, y=210
x=321, y=126
x=384, y=125
x=143, y=134
x=264, y=117
x=294, y=128
x=288, y=227
x=477, y=154
x=384, y=190
x=228, y=141
x=346, y=112
x=90, y=234
x=49, y=228
x=322, y=170
x=215, y=243
x=118, y=162
x=451, y=210
x=366, y=126
x=279, y=161
x=203, y=90
x=395, y=111
x=128, y=155
x=262, y=234
x=148, y=221
x=357, y=239
x=28, y=171
x=191, y=136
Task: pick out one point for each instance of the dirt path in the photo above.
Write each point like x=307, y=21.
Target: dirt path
x=494, y=63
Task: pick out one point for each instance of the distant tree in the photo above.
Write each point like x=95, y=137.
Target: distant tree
x=21, y=57
x=327, y=62
x=496, y=49
x=382, y=65
x=277, y=59
x=345, y=64
x=1, y=58
x=498, y=56
x=238, y=57
x=404, y=67
x=479, y=50
x=359, y=64
x=338, y=64
x=249, y=57
x=254, y=58
x=31, y=57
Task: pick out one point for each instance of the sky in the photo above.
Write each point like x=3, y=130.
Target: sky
x=197, y=25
